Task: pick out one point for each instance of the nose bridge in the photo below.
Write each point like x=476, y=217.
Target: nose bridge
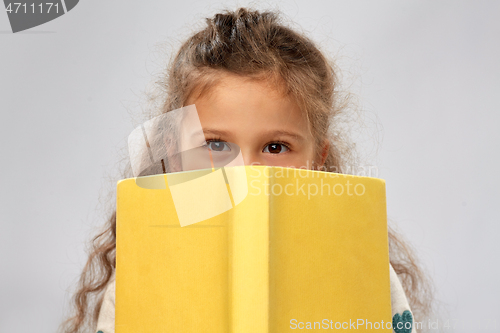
x=250, y=157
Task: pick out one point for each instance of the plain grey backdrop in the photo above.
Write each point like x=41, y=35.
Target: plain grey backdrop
x=426, y=75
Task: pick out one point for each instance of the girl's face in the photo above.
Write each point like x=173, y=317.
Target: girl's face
x=269, y=128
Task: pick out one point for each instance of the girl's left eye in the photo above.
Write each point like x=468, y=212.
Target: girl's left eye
x=275, y=148
x=218, y=146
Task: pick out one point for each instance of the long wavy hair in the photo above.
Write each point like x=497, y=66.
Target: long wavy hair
x=257, y=45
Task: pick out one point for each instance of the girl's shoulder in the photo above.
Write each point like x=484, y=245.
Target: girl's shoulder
x=401, y=312
x=402, y=317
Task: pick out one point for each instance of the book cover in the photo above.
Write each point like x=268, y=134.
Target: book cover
x=251, y=249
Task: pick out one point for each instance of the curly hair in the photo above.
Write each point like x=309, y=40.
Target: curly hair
x=256, y=45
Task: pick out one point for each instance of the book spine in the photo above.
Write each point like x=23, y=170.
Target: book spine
x=249, y=258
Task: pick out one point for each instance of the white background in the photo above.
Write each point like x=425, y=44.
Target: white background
x=426, y=74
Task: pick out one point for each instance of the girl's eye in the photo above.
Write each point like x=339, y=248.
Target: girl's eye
x=218, y=146
x=275, y=148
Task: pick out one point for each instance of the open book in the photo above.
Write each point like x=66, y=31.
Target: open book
x=293, y=249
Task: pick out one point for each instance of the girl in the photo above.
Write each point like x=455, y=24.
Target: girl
x=268, y=89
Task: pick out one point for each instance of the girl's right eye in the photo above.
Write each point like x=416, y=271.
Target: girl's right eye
x=218, y=146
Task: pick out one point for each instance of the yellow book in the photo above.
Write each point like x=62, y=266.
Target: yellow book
x=262, y=249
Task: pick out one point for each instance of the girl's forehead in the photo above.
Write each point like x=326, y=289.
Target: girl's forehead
x=246, y=101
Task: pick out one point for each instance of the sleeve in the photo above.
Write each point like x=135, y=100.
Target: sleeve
x=106, y=320
x=402, y=317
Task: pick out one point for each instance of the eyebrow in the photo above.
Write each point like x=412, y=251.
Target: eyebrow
x=215, y=132
x=293, y=135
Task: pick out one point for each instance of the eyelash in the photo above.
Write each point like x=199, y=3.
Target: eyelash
x=286, y=144
x=216, y=139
